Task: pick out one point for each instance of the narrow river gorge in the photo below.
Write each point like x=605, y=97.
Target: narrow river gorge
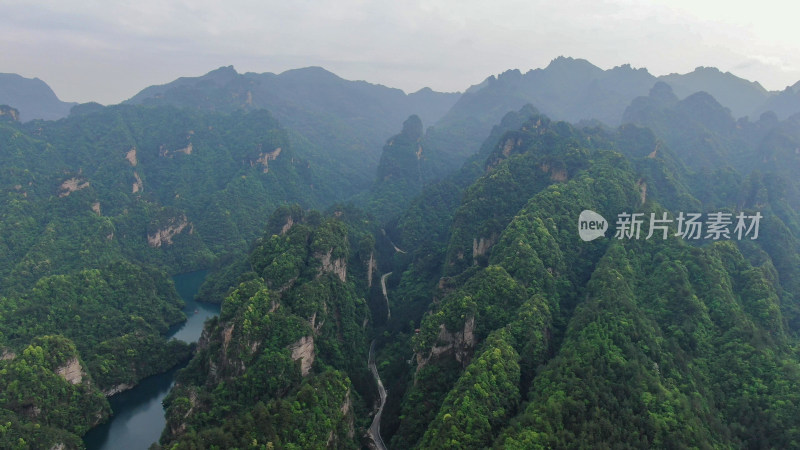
x=138, y=414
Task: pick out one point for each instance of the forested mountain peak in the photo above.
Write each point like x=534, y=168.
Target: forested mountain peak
x=492, y=322
x=740, y=95
x=221, y=75
x=341, y=122
x=528, y=320
x=312, y=74
x=412, y=127
x=401, y=171
x=32, y=97
x=567, y=89
x=784, y=103
x=663, y=93
x=9, y=113
x=570, y=64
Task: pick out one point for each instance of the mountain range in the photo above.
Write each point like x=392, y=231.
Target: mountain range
x=428, y=241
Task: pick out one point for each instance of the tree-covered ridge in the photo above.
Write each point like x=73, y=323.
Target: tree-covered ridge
x=156, y=183
x=97, y=209
x=495, y=325
x=336, y=123
x=101, y=330
x=33, y=98
x=705, y=137
x=668, y=350
x=401, y=173
x=117, y=316
x=618, y=354
x=285, y=362
x=47, y=397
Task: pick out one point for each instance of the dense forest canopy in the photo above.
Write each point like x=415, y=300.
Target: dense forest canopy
x=435, y=235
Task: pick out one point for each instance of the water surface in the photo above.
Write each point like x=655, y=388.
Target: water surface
x=138, y=414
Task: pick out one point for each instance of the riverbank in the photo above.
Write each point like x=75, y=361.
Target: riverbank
x=138, y=417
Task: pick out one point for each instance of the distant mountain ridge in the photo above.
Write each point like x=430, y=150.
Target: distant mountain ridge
x=494, y=324
x=344, y=123
x=32, y=97
x=737, y=94
x=228, y=89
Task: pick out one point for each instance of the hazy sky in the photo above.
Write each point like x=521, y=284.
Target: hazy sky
x=107, y=50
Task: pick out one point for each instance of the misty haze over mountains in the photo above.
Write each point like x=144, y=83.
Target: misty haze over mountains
x=567, y=89
x=322, y=109
x=358, y=236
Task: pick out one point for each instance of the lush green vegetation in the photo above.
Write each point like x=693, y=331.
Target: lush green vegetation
x=649, y=343
x=47, y=397
x=98, y=208
x=285, y=363
x=495, y=324
x=116, y=315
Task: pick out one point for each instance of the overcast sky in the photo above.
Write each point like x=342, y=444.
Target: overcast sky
x=107, y=50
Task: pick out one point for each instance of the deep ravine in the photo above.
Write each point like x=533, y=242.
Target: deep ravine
x=138, y=414
x=375, y=428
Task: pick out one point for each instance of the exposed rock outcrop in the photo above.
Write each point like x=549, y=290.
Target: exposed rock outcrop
x=131, y=157
x=509, y=145
x=265, y=157
x=461, y=344
x=345, y=409
x=164, y=235
x=654, y=152
x=507, y=148
x=372, y=266
x=337, y=266
x=166, y=153
x=122, y=387
x=71, y=371
x=303, y=350
x=10, y=112
x=480, y=247
x=137, y=185
x=72, y=185
x=642, y=185
x=227, y=333
x=185, y=150
x=288, y=225
x=347, y=406
x=556, y=173
x=96, y=207
x=180, y=427
x=6, y=354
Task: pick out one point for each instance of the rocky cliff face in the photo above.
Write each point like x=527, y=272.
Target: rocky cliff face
x=11, y=113
x=72, y=185
x=165, y=152
x=117, y=389
x=163, y=236
x=131, y=157
x=71, y=371
x=337, y=266
x=138, y=186
x=265, y=157
x=6, y=354
x=303, y=350
x=460, y=344
x=480, y=247
x=372, y=266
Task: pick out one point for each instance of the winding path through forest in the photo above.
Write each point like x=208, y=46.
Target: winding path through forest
x=375, y=428
x=383, y=288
